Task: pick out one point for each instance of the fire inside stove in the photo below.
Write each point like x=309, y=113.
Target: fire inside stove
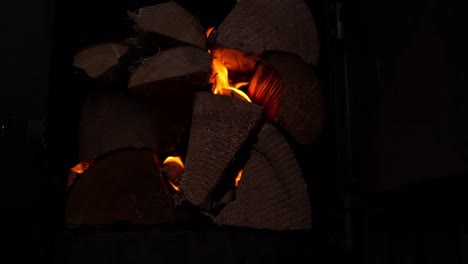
x=220, y=78
x=239, y=92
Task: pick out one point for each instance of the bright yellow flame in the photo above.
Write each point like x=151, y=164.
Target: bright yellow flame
x=220, y=78
x=221, y=83
x=174, y=159
x=81, y=167
x=238, y=178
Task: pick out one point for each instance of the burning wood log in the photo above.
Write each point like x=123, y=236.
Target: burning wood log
x=222, y=129
x=124, y=187
x=171, y=20
x=266, y=89
x=290, y=92
x=100, y=61
x=168, y=79
x=272, y=192
x=113, y=120
x=255, y=26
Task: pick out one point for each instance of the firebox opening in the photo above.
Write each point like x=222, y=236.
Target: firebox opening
x=256, y=127
x=166, y=74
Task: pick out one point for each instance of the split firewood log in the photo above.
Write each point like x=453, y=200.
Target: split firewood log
x=101, y=62
x=266, y=89
x=256, y=26
x=290, y=91
x=272, y=193
x=222, y=131
x=122, y=188
x=171, y=20
x=168, y=80
x=112, y=120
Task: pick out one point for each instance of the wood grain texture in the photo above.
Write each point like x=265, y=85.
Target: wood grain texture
x=220, y=127
x=256, y=26
x=172, y=20
x=272, y=192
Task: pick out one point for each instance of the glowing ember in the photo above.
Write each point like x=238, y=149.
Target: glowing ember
x=81, y=167
x=238, y=178
x=78, y=169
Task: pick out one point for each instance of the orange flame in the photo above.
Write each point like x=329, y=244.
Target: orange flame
x=238, y=178
x=220, y=79
x=221, y=83
x=208, y=31
x=176, y=160
x=176, y=188
x=81, y=167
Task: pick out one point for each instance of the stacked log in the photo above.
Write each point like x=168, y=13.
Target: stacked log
x=257, y=26
x=272, y=192
x=102, y=62
x=221, y=127
x=291, y=93
x=236, y=166
x=122, y=189
x=172, y=20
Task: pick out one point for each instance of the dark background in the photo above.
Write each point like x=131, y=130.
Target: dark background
x=387, y=177
x=407, y=75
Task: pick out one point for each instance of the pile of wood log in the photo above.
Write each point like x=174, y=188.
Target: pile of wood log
x=236, y=165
